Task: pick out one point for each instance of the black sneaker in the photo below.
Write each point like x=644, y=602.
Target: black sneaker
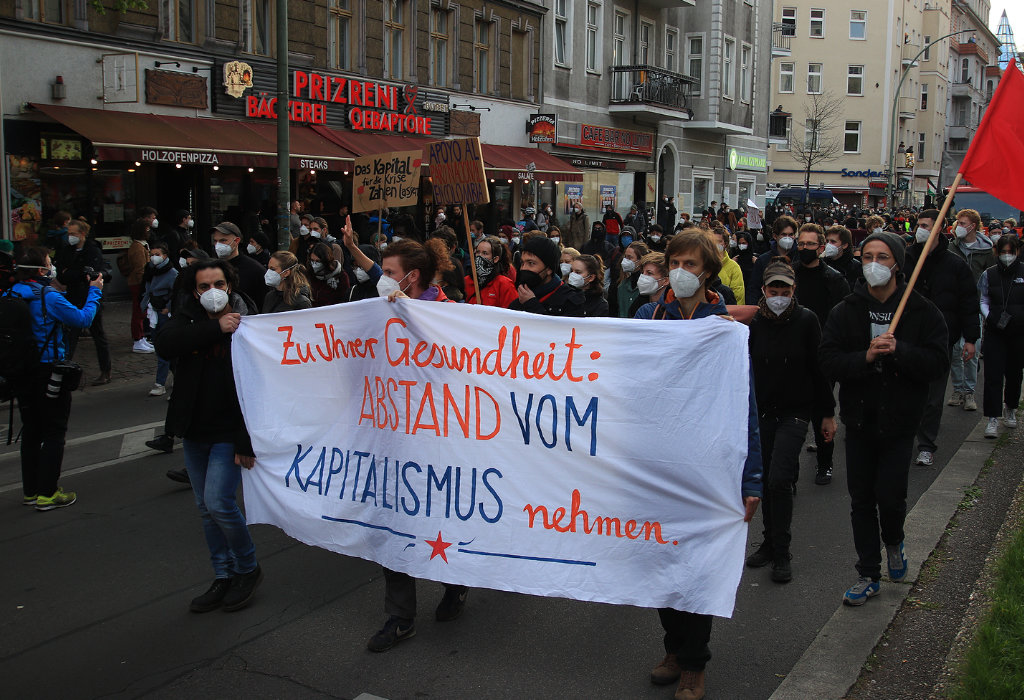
x=451, y=604
x=782, y=572
x=243, y=588
x=179, y=475
x=824, y=476
x=213, y=598
x=762, y=557
x=161, y=443
x=394, y=631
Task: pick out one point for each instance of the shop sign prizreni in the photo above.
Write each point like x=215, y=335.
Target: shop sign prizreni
x=370, y=105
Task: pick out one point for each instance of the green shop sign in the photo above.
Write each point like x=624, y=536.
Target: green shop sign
x=739, y=160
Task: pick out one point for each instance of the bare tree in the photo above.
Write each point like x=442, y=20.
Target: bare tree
x=821, y=141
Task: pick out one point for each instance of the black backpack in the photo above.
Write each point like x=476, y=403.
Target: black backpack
x=19, y=353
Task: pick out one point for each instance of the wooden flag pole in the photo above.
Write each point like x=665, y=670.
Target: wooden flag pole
x=472, y=254
x=939, y=223
x=380, y=222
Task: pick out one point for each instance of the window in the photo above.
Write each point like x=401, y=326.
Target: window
x=745, y=73
x=645, y=43
x=817, y=24
x=671, y=50
x=728, y=54
x=701, y=193
x=858, y=24
x=394, y=38
x=965, y=70
x=695, y=61
x=813, y=78
x=256, y=26
x=786, y=77
x=341, y=34
x=855, y=80
x=924, y=96
x=789, y=19
x=811, y=135
x=51, y=11
x=927, y=55
x=920, y=146
x=620, y=54
x=178, y=21
x=785, y=131
x=439, y=47
x=561, y=33
x=851, y=138
x=481, y=56
x=593, y=32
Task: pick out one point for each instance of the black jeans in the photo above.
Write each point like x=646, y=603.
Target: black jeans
x=400, y=594
x=825, y=450
x=99, y=338
x=1004, y=359
x=928, y=431
x=877, y=469
x=44, y=425
x=687, y=635
x=781, y=442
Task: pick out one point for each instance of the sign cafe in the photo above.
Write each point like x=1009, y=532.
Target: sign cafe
x=371, y=105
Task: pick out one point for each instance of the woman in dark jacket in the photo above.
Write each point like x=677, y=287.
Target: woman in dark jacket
x=588, y=275
x=1002, y=305
x=329, y=282
x=289, y=288
x=204, y=410
x=745, y=257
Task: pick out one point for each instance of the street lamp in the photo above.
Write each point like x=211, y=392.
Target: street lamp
x=895, y=104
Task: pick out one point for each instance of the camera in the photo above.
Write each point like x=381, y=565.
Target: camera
x=92, y=274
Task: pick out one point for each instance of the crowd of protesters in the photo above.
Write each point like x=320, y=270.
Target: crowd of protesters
x=819, y=289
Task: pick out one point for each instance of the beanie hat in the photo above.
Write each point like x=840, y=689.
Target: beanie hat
x=895, y=244
x=545, y=249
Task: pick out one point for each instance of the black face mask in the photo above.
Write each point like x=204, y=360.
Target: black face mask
x=484, y=268
x=808, y=256
x=528, y=277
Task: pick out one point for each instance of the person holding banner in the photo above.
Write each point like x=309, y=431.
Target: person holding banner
x=587, y=275
x=883, y=378
x=541, y=291
x=492, y=264
x=694, y=262
x=204, y=410
x=289, y=288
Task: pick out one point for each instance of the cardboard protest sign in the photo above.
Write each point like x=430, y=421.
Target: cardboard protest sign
x=386, y=180
x=457, y=172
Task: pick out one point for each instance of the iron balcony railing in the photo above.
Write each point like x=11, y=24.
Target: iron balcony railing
x=651, y=85
x=782, y=35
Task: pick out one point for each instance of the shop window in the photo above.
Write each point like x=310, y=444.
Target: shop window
x=340, y=29
x=178, y=20
x=439, y=42
x=701, y=193
x=481, y=57
x=395, y=18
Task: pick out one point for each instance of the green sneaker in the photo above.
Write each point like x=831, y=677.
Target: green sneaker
x=28, y=500
x=59, y=499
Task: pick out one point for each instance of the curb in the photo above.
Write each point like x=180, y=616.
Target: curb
x=832, y=663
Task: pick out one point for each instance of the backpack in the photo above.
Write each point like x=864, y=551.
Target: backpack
x=19, y=353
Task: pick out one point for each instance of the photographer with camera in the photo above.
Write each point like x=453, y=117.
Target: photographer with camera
x=78, y=264
x=44, y=390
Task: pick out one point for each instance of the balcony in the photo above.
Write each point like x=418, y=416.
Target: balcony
x=908, y=107
x=650, y=92
x=964, y=89
x=960, y=131
x=908, y=52
x=782, y=39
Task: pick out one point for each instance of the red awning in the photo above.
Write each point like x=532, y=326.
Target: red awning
x=510, y=162
x=365, y=143
x=129, y=136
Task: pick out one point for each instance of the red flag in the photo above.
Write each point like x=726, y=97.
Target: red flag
x=997, y=149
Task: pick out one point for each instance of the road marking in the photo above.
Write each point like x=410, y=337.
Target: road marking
x=134, y=443
x=82, y=470
x=94, y=437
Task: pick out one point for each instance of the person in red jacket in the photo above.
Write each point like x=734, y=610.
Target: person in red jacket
x=492, y=265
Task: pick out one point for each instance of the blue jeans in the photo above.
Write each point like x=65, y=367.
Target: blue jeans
x=215, y=479
x=965, y=374
x=163, y=367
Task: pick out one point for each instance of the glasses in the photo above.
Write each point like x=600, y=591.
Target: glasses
x=880, y=257
x=809, y=245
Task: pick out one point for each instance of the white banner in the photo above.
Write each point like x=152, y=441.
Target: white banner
x=596, y=459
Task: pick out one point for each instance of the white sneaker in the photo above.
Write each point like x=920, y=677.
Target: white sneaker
x=148, y=344
x=925, y=459
x=142, y=347
x=1010, y=417
x=992, y=429
x=158, y=390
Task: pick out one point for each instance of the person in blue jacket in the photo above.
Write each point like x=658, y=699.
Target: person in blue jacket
x=694, y=263
x=45, y=401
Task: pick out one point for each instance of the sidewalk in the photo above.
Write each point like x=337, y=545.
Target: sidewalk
x=125, y=365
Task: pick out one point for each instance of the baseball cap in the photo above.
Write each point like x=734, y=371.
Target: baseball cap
x=228, y=228
x=779, y=272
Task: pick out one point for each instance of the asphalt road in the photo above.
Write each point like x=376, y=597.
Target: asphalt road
x=95, y=598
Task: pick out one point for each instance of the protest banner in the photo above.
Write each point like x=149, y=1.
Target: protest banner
x=457, y=177
x=386, y=180
x=492, y=448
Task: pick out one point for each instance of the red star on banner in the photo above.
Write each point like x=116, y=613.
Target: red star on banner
x=438, y=546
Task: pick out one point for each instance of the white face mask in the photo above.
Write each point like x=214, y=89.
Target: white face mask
x=183, y=262
x=74, y=240
x=1006, y=229
x=655, y=238
x=778, y=304
x=190, y=223
x=876, y=274
x=1007, y=259
x=995, y=239
x=386, y=285
x=214, y=300
x=515, y=240
x=272, y=278
x=251, y=249
x=155, y=224
x=921, y=235
x=303, y=230
x=316, y=234
x=565, y=268
x=721, y=247
x=786, y=243
x=628, y=265
x=742, y=246
x=807, y=219
x=362, y=275
x=960, y=231
x=223, y=250
x=383, y=246
x=831, y=251
x=647, y=285
x=760, y=236
x=555, y=239
x=684, y=283
x=877, y=229
x=576, y=280
x=157, y=260
x=396, y=239
x=317, y=266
